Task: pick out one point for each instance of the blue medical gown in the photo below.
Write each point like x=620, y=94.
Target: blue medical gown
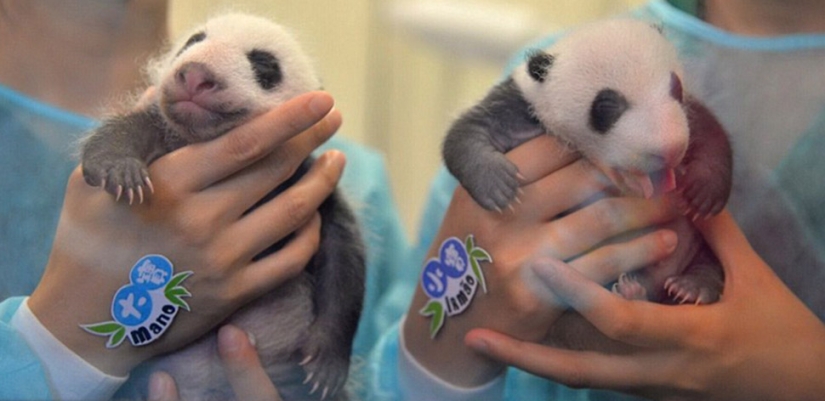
x=37, y=155
x=769, y=93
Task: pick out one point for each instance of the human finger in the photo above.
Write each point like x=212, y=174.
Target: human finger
x=607, y=262
x=540, y=156
x=603, y=220
x=203, y=164
x=577, y=369
x=272, y=270
x=291, y=209
x=566, y=188
x=732, y=248
x=162, y=387
x=249, y=185
x=637, y=323
x=243, y=366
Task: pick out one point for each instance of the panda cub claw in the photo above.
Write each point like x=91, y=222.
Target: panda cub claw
x=120, y=176
x=326, y=368
x=629, y=287
x=688, y=289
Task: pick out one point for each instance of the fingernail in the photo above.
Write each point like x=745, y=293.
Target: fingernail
x=252, y=340
x=545, y=268
x=478, y=344
x=321, y=104
x=159, y=387
x=670, y=240
x=334, y=158
x=230, y=338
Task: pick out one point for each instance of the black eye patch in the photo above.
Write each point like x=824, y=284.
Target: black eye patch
x=607, y=108
x=198, y=37
x=266, y=67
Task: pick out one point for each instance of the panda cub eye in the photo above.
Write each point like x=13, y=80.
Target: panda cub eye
x=606, y=109
x=676, y=90
x=198, y=37
x=266, y=67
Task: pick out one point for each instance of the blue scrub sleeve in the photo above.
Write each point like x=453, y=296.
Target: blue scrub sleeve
x=21, y=374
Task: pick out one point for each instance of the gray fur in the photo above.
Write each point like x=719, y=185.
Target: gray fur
x=474, y=148
x=310, y=318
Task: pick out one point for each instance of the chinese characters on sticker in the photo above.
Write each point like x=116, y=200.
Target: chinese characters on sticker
x=144, y=309
x=452, y=280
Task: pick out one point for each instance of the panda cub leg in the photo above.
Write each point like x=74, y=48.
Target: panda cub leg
x=701, y=283
x=630, y=286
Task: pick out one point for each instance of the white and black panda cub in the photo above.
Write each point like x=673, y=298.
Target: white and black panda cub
x=613, y=91
x=228, y=71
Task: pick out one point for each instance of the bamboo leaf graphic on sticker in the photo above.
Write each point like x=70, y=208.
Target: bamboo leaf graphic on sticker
x=477, y=254
x=436, y=310
x=115, y=331
x=174, y=292
x=104, y=328
x=177, y=279
x=116, y=338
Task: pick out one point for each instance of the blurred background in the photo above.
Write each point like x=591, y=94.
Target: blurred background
x=402, y=70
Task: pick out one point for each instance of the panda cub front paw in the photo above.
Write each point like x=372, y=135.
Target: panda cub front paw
x=494, y=184
x=122, y=176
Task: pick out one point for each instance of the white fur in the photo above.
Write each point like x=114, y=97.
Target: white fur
x=625, y=55
x=229, y=38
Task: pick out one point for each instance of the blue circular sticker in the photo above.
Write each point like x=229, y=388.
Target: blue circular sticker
x=151, y=272
x=454, y=258
x=132, y=305
x=433, y=279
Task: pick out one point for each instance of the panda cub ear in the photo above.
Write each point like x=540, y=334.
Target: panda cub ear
x=538, y=64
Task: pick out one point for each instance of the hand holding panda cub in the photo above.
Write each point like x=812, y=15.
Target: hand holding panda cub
x=613, y=92
x=228, y=71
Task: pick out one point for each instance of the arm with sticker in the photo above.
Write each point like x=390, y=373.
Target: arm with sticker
x=551, y=188
x=197, y=221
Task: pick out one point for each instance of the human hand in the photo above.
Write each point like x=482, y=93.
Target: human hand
x=759, y=342
x=197, y=218
x=242, y=366
x=555, y=182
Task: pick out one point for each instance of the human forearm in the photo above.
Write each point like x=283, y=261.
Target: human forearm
x=197, y=219
x=514, y=238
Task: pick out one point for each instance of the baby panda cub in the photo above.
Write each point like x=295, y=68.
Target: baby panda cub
x=228, y=71
x=612, y=91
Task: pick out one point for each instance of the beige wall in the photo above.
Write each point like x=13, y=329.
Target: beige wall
x=397, y=93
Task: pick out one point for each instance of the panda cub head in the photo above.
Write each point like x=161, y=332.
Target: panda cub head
x=613, y=90
x=223, y=73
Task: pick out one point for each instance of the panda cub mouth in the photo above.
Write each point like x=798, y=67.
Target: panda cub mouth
x=642, y=183
x=204, y=115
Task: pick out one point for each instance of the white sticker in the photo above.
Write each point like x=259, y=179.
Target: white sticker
x=144, y=309
x=452, y=280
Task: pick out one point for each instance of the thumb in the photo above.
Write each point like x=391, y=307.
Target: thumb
x=740, y=262
x=162, y=387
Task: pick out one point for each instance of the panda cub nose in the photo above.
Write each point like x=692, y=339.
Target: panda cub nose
x=197, y=79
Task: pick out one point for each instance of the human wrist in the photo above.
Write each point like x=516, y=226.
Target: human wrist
x=416, y=381
x=445, y=356
x=70, y=376
x=61, y=312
